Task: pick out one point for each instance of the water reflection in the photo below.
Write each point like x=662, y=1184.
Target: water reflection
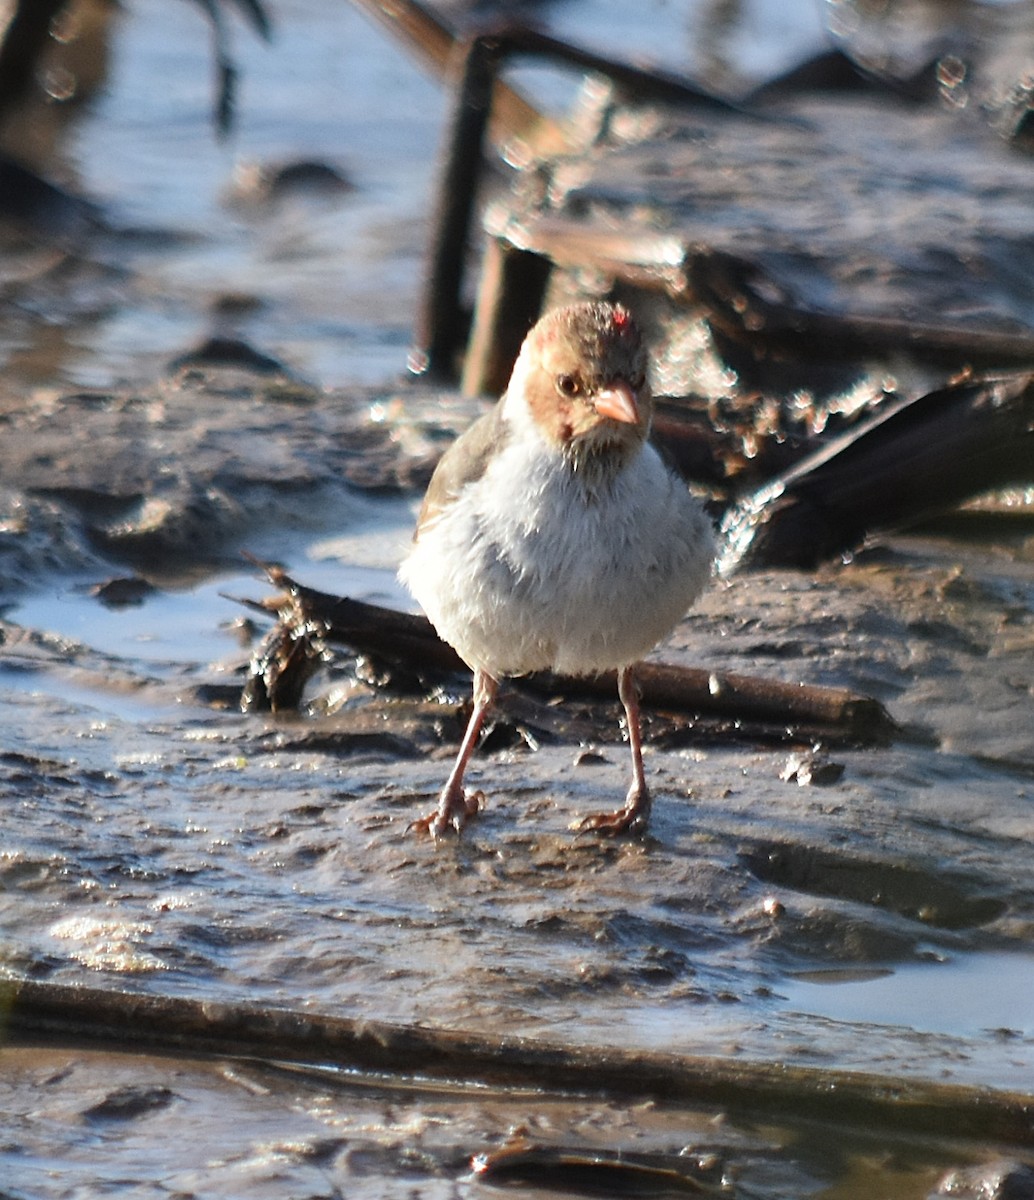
x=962, y=995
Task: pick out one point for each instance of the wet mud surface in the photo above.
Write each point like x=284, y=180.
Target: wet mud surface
x=95, y=1120
x=832, y=906
x=156, y=838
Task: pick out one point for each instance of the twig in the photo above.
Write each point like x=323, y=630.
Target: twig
x=307, y=616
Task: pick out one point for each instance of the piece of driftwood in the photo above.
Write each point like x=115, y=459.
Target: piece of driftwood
x=442, y=324
x=912, y=459
x=741, y=299
x=438, y=48
x=29, y=29
x=307, y=618
x=748, y=304
x=597, y=1172
x=398, y=1055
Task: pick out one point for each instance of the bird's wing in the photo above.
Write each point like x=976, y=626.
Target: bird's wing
x=464, y=462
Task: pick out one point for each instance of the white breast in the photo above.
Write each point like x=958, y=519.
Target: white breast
x=530, y=570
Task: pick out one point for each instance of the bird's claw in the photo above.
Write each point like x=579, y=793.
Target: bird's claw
x=631, y=819
x=453, y=812
x=611, y=823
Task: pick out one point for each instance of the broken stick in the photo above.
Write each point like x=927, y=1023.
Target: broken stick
x=308, y=618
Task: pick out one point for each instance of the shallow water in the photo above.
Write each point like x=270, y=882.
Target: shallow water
x=965, y=995
x=326, y=281
x=330, y=280
x=156, y=838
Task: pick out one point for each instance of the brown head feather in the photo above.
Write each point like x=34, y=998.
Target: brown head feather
x=569, y=360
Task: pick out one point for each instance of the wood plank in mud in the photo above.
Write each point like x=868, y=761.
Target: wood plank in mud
x=453, y=1058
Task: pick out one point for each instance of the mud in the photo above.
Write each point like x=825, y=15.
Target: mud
x=85, y=1122
x=156, y=833
x=157, y=839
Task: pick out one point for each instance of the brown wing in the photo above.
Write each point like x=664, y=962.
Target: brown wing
x=464, y=462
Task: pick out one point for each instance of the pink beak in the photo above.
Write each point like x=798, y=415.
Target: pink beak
x=617, y=402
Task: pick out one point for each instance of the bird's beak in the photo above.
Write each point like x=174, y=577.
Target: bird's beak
x=617, y=402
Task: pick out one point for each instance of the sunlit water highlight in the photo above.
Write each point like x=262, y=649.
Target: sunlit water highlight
x=964, y=996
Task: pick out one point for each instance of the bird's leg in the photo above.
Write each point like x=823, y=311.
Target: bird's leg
x=455, y=807
x=634, y=816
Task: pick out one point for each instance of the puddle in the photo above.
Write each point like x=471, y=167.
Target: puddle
x=177, y=634
x=964, y=996
x=92, y=702
x=334, y=281
x=190, y=626
x=937, y=899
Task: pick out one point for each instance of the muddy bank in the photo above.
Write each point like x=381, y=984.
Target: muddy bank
x=159, y=838
x=176, y=478
x=221, y=1128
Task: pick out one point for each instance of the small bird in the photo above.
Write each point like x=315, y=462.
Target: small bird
x=554, y=537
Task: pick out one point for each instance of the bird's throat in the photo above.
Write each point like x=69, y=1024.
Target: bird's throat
x=596, y=462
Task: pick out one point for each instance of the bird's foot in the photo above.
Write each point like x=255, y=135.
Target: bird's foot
x=455, y=808
x=633, y=818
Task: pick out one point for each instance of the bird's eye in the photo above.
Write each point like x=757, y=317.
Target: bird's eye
x=568, y=385
x=638, y=381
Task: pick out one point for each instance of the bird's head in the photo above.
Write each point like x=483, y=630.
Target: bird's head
x=581, y=377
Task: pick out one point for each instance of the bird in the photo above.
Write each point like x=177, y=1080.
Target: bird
x=554, y=536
